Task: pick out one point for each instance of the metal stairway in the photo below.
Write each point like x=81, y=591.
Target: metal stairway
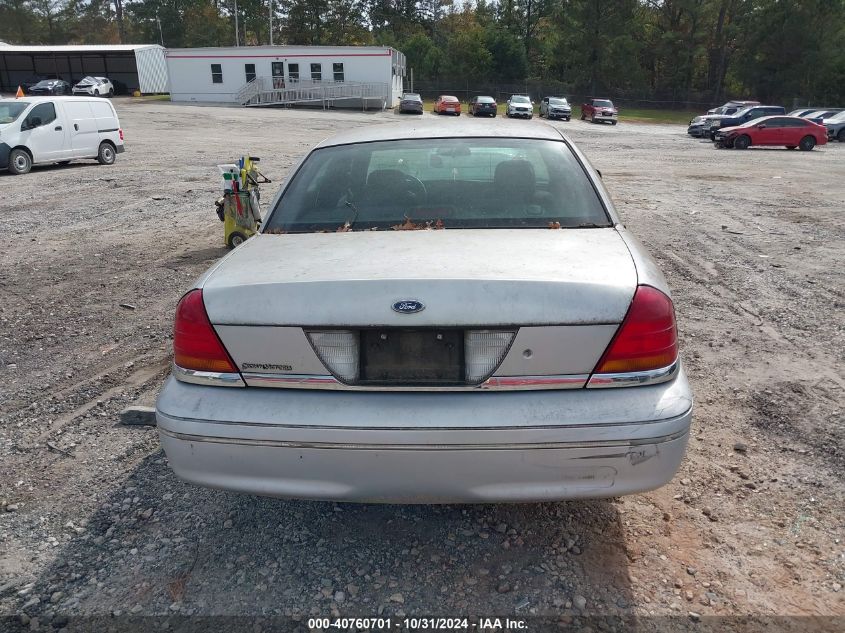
x=264, y=91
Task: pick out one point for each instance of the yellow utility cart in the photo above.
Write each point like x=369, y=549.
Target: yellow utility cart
x=239, y=209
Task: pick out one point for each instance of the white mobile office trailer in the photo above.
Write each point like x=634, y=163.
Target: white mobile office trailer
x=338, y=76
x=130, y=66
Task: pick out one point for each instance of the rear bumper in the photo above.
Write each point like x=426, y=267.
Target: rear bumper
x=426, y=447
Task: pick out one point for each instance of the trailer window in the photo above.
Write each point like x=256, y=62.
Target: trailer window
x=249, y=70
x=216, y=74
x=316, y=72
x=338, y=71
x=293, y=72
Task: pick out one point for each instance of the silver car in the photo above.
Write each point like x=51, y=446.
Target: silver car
x=431, y=314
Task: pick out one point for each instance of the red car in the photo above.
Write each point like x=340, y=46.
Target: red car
x=789, y=131
x=447, y=104
x=599, y=111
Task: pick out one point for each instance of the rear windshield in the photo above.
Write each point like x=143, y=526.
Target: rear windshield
x=486, y=100
x=450, y=183
x=11, y=110
x=410, y=97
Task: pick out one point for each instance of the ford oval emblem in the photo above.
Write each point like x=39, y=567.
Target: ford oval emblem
x=408, y=306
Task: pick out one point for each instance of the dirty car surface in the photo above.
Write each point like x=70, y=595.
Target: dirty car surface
x=431, y=314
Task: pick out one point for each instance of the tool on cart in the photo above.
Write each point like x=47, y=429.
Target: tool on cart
x=239, y=209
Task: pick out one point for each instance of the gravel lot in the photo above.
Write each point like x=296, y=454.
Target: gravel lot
x=93, y=523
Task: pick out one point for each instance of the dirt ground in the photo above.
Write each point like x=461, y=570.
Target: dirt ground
x=93, y=523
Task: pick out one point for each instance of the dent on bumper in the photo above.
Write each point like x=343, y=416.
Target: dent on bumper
x=426, y=448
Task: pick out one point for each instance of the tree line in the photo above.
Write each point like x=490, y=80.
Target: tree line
x=672, y=51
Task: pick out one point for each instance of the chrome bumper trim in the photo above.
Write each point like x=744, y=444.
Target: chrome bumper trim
x=634, y=379
x=186, y=437
x=494, y=383
x=211, y=378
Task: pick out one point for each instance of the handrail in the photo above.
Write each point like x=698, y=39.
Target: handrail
x=259, y=91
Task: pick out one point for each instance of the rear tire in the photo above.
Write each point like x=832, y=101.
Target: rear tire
x=235, y=239
x=807, y=143
x=742, y=142
x=841, y=136
x=106, y=155
x=111, y=92
x=20, y=162
x=613, y=122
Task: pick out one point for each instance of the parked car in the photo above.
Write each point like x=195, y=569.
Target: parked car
x=95, y=87
x=599, y=110
x=732, y=106
x=496, y=360
x=555, y=108
x=411, y=102
x=40, y=130
x=818, y=116
x=801, y=111
x=835, y=126
x=483, y=106
x=50, y=87
x=519, y=106
x=788, y=131
x=700, y=126
x=447, y=104
x=743, y=116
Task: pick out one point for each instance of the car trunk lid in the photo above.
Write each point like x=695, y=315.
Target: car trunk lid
x=461, y=278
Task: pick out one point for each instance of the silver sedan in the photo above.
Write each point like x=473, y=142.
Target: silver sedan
x=431, y=313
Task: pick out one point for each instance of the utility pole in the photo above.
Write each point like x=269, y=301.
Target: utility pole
x=237, y=34
x=271, y=22
x=160, y=34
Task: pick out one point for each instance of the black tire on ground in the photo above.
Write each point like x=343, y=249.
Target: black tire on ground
x=567, y=118
x=742, y=142
x=719, y=145
x=20, y=162
x=583, y=117
x=613, y=122
x=235, y=239
x=106, y=155
x=111, y=92
x=841, y=136
x=807, y=143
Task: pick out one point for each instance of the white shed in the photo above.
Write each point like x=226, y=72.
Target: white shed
x=273, y=75
x=130, y=66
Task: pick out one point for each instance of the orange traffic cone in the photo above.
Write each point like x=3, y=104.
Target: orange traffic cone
x=19, y=93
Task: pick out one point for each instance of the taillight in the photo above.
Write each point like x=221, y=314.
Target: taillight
x=196, y=345
x=120, y=133
x=647, y=338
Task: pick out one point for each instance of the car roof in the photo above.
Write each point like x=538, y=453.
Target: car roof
x=453, y=129
x=34, y=99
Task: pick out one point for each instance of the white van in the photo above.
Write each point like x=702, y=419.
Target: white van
x=43, y=130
